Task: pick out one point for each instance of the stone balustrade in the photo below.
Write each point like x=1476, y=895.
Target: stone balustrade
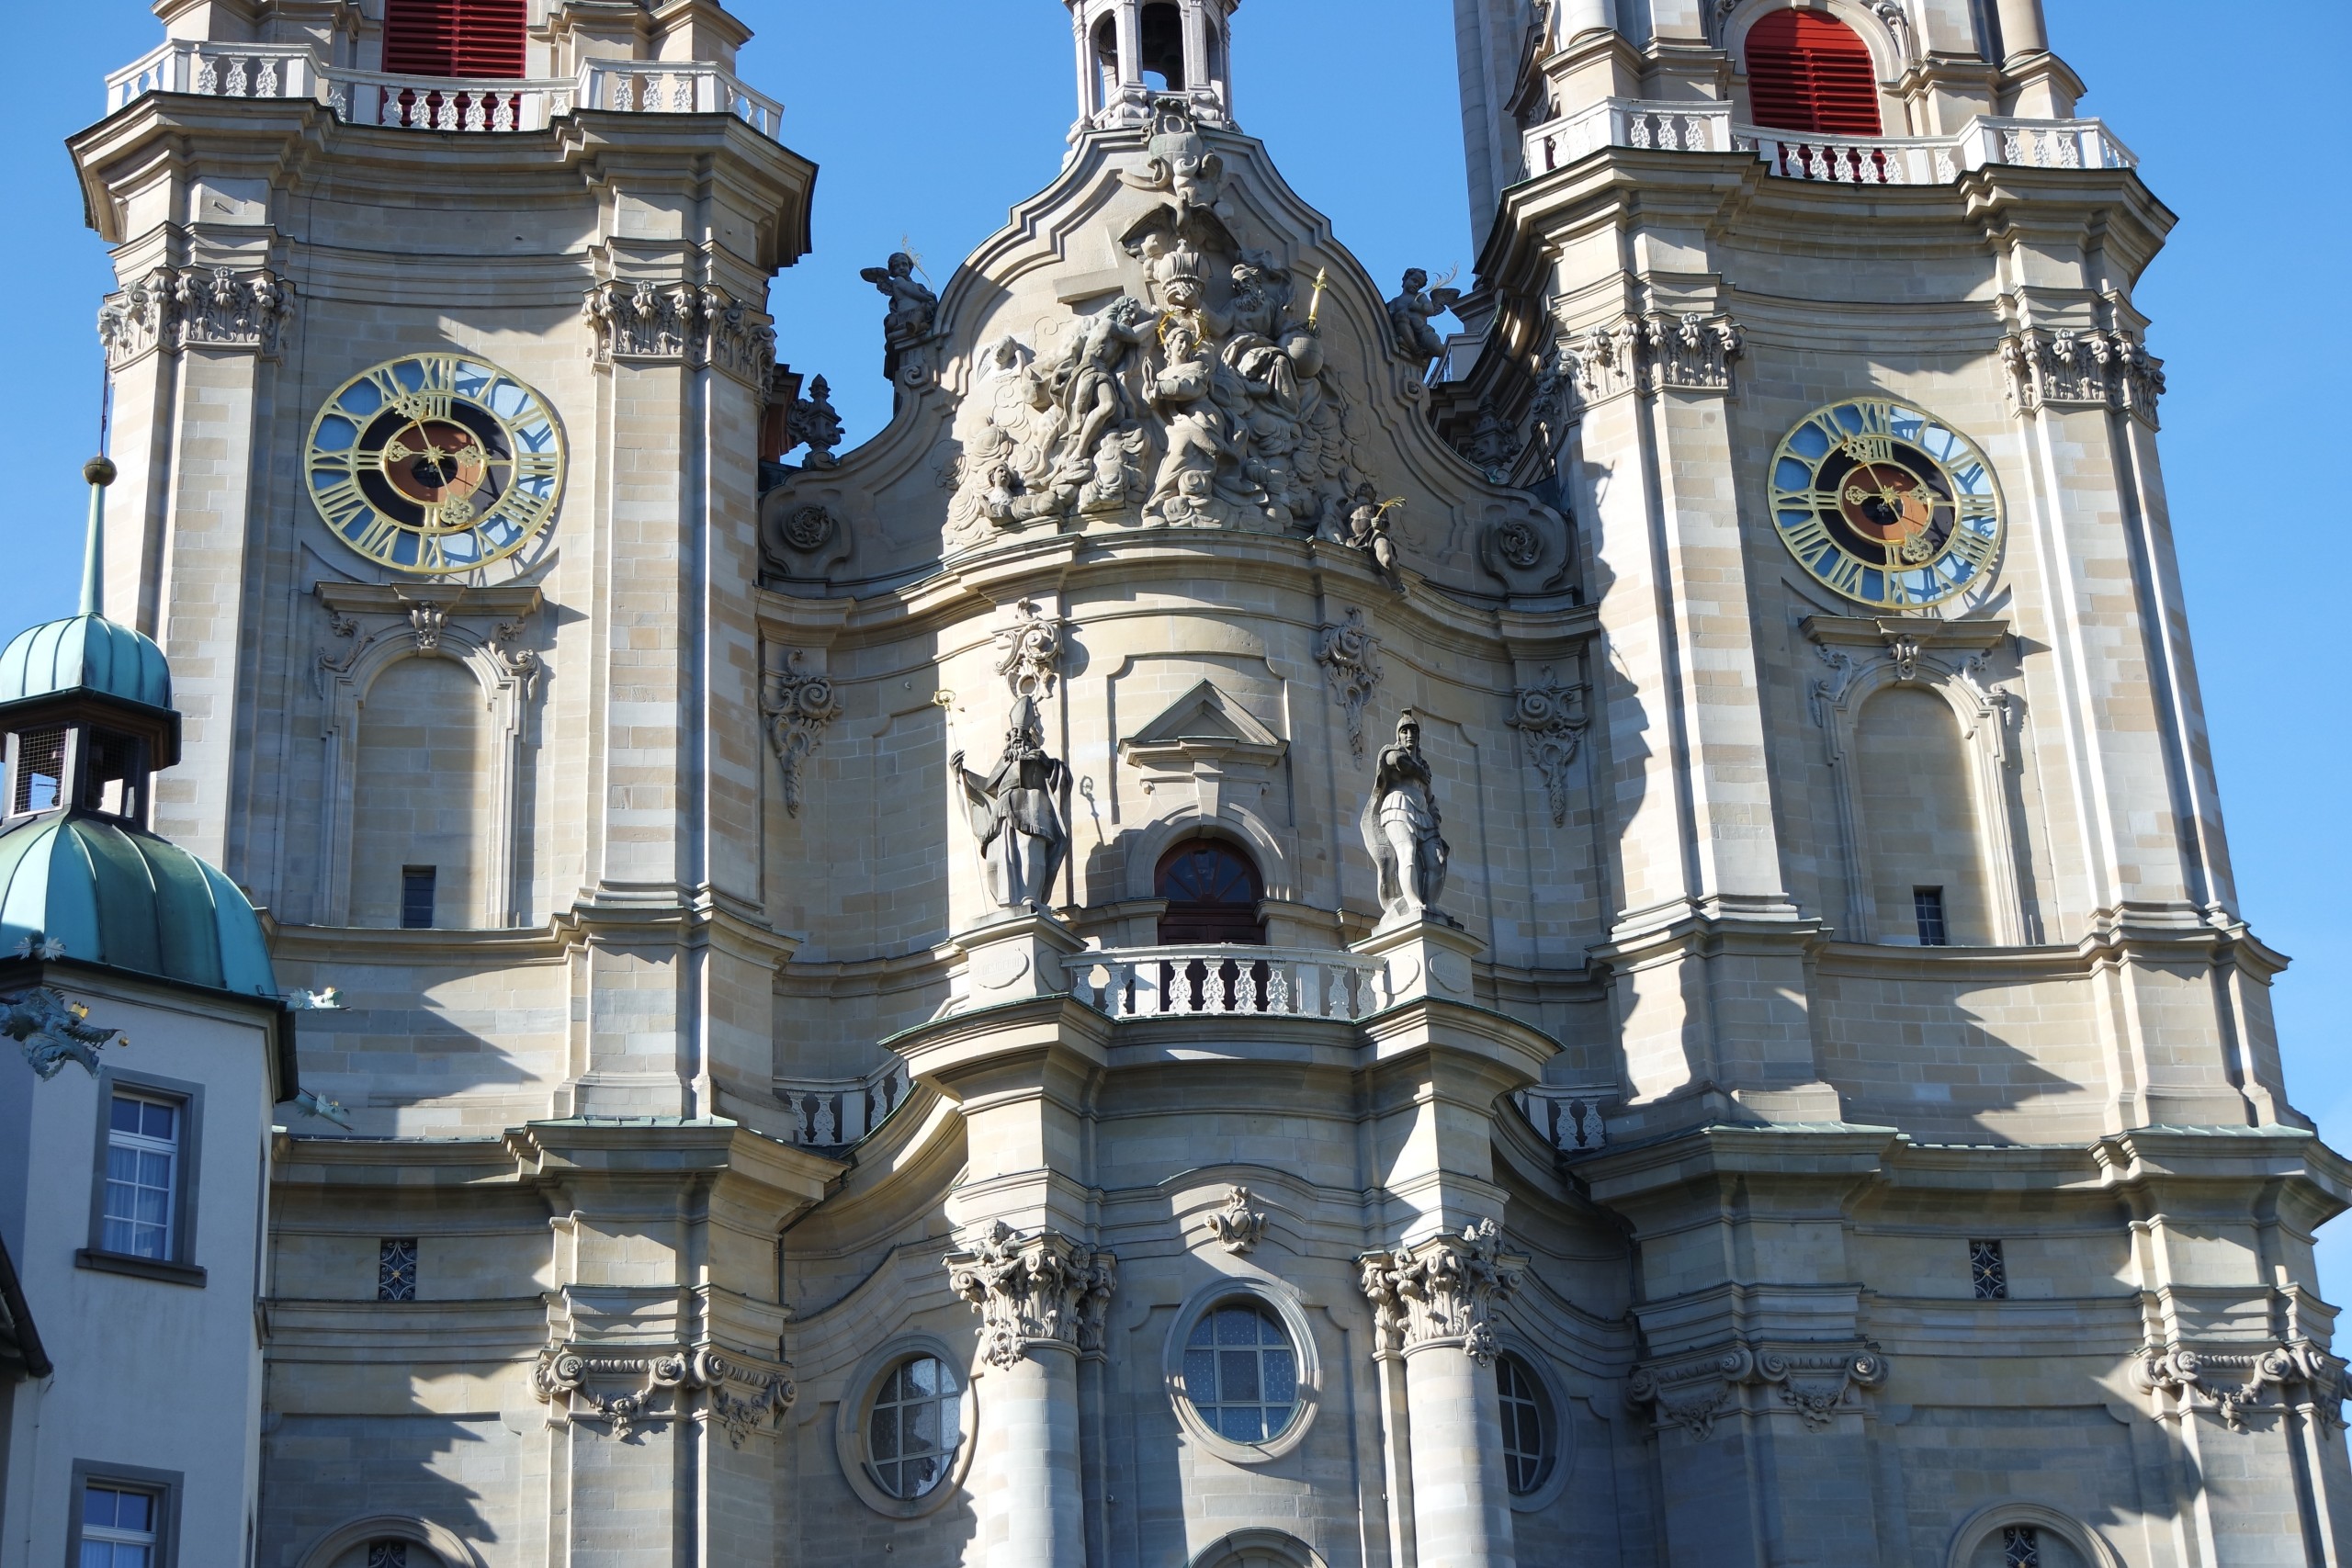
x=1166, y=981
x=835, y=1112
x=1898, y=159
x=374, y=97
x=1568, y=1118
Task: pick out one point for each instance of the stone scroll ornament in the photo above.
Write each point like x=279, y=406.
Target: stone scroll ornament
x=1349, y=653
x=741, y=1400
x=1238, y=1227
x=1202, y=405
x=1033, y=1291
x=798, y=711
x=1401, y=829
x=1029, y=652
x=1016, y=815
x=1694, y=1392
x=1552, y=718
x=1441, y=1291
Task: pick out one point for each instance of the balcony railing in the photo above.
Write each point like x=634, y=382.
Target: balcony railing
x=1569, y=1119
x=372, y=97
x=1225, y=980
x=835, y=1112
x=1886, y=161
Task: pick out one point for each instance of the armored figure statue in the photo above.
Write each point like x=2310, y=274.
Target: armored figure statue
x=1016, y=815
x=913, y=307
x=1400, y=829
x=1409, y=313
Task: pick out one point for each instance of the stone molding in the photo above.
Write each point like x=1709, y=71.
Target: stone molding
x=2180, y=1380
x=1349, y=652
x=172, y=309
x=697, y=325
x=1552, y=716
x=742, y=1399
x=801, y=706
x=1694, y=1392
x=1033, y=1291
x=1649, y=354
x=2065, y=368
x=1441, y=1292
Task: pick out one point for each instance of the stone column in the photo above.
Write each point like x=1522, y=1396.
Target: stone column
x=1578, y=17
x=2022, y=31
x=1042, y=1299
x=2039, y=85
x=1430, y=1303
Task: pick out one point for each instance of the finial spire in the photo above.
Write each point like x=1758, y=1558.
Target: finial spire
x=100, y=472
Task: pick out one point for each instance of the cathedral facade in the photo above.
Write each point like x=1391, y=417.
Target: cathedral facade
x=1269, y=933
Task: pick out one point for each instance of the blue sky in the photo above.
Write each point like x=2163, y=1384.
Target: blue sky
x=929, y=118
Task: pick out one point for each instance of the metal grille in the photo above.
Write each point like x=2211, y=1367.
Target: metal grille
x=1988, y=1272
x=1927, y=907
x=40, y=769
x=2021, y=1547
x=396, y=1270
x=388, y=1554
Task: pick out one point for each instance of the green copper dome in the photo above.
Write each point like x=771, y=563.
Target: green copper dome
x=111, y=894
x=86, y=653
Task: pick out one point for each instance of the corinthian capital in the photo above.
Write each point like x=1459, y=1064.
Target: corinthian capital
x=1441, y=1291
x=1030, y=1290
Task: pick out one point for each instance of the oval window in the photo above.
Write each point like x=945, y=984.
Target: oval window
x=1241, y=1372
x=915, y=1427
x=1527, y=1425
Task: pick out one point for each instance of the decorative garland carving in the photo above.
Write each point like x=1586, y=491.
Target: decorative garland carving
x=695, y=324
x=2087, y=369
x=797, y=714
x=1441, y=1291
x=1237, y=1227
x=1040, y=1290
x=1694, y=1392
x=1349, y=653
x=563, y=1376
x=1552, y=716
x=174, y=308
x=2182, y=1380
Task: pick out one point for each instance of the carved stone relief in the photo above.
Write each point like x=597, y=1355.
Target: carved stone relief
x=1030, y=652
x=1441, y=1291
x=172, y=308
x=799, y=707
x=1694, y=1392
x=1349, y=653
x=1237, y=1227
x=1033, y=1290
x=1551, y=716
x=629, y=1391
x=692, y=324
x=2233, y=1384
x=1645, y=354
x=2081, y=370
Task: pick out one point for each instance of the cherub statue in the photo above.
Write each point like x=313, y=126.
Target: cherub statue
x=1410, y=314
x=1016, y=815
x=1367, y=524
x=913, y=307
x=1400, y=828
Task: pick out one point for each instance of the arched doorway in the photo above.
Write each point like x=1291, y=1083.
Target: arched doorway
x=1213, y=891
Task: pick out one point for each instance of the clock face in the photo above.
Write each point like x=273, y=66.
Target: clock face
x=435, y=463
x=1886, y=504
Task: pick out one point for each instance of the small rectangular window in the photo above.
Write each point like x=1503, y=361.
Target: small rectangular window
x=396, y=1270
x=417, y=897
x=1988, y=1272
x=111, y=778
x=40, y=772
x=120, y=1527
x=143, y=1173
x=1927, y=907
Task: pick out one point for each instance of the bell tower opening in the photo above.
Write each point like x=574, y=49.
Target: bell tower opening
x=1131, y=52
x=1163, y=47
x=1213, y=891
x=481, y=39
x=1808, y=71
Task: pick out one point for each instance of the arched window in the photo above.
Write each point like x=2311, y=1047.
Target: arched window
x=1107, y=60
x=1922, y=850
x=455, y=38
x=1212, y=892
x=2025, y=1546
x=1162, y=48
x=1808, y=71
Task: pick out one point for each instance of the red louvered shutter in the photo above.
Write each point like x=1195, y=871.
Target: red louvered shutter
x=455, y=38
x=1808, y=71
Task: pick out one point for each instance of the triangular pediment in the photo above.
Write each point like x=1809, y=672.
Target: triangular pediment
x=1205, y=723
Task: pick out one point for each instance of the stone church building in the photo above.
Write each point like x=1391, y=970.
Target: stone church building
x=1576, y=916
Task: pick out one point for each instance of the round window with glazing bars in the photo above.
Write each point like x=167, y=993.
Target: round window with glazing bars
x=915, y=1427
x=1241, y=1372
x=1527, y=1425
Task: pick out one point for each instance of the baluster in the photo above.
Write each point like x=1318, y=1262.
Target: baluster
x=1667, y=141
x=236, y=88
x=2012, y=147
x=477, y=113
x=2070, y=151
x=1640, y=136
x=1945, y=172
x=503, y=116
x=339, y=100
x=267, y=87
x=208, y=75
x=681, y=92
x=1278, y=989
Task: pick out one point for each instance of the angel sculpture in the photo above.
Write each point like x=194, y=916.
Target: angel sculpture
x=913, y=307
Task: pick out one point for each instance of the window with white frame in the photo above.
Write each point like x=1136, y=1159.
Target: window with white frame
x=120, y=1527
x=146, y=1138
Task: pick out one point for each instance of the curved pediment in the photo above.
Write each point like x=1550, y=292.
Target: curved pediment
x=1167, y=337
